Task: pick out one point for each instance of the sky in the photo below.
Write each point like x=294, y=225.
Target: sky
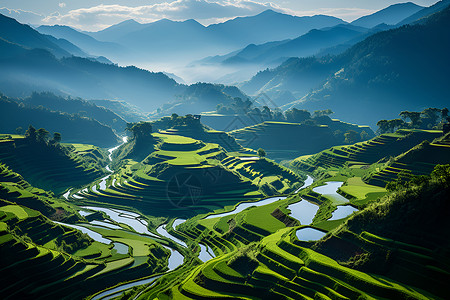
x=94, y=15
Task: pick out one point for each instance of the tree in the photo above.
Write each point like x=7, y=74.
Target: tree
x=142, y=129
x=413, y=116
x=261, y=152
x=444, y=113
x=19, y=130
x=396, y=124
x=31, y=133
x=266, y=113
x=442, y=173
x=432, y=116
x=278, y=114
x=351, y=137
x=364, y=135
x=42, y=135
x=321, y=113
x=57, y=137
x=383, y=126
x=296, y=115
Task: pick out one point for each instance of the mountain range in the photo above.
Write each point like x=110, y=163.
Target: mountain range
x=163, y=39
x=390, y=15
x=38, y=62
x=388, y=72
x=40, y=65
x=319, y=41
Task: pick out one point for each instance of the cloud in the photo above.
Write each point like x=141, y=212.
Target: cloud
x=101, y=16
x=22, y=16
x=205, y=11
x=347, y=14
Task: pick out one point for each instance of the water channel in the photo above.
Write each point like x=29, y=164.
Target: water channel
x=303, y=211
x=244, y=205
x=162, y=231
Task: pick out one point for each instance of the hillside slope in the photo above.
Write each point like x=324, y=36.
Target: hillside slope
x=78, y=107
x=374, y=77
x=16, y=117
x=50, y=166
x=283, y=141
x=391, y=15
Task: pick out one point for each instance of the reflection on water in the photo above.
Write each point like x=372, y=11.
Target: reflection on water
x=249, y=158
x=330, y=189
x=84, y=213
x=105, y=224
x=309, y=180
x=342, y=212
x=66, y=194
x=205, y=254
x=309, y=234
x=162, y=231
x=112, y=293
x=120, y=248
x=92, y=234
x=175, y=259
x=303, y=211
x=127, y=218
x=245, y=205
x=177, y=222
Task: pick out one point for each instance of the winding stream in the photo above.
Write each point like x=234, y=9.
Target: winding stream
x=244, y=205
x=309, y=180
x=305, y=211
x=134, y=221
x=163, y=231
x=92, y=234
x=102, y=182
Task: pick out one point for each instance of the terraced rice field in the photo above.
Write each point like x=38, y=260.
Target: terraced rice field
x=44, y=168
x=215, y=179
x=285, y=141
x=366, y=152
x=281, y=269
x=420, y=160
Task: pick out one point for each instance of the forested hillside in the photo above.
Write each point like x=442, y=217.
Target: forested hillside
x=74, y=128
x=380, y=74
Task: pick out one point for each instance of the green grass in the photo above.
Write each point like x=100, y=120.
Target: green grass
x=261, y=217
x=362, y=192
x=18, y=211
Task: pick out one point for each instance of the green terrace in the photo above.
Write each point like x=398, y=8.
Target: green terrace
x=47, y=167
x=44, y=268
x=280, y=268
x=216, y=179
x=284, y=141
x=420, y=160
x=385, y=145
x=15, y=189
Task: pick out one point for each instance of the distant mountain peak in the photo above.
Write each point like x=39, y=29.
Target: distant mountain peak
x=130, y=21
x=270, y=12
x=390, y=15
